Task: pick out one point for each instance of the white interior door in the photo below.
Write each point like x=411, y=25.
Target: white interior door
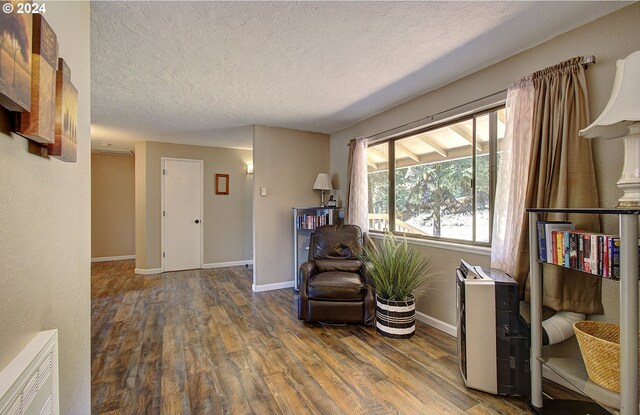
x=182, y=213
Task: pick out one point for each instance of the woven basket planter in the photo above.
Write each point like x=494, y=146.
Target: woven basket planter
x=600, y=347
x=396, y=319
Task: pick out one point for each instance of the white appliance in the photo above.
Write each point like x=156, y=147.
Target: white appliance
x=493, y=340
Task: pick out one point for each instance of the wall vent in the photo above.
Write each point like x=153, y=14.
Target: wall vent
x=29, y=383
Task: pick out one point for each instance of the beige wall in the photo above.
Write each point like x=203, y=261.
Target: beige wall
x=140, y=199
x=439, y=301
x=286, y=163
x=227, y=220
x=609, y=38
x=112, y=205
x=45, y=227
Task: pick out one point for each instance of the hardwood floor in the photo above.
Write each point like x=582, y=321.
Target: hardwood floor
x=201, y=342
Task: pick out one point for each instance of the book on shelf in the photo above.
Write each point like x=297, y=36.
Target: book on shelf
x=580, y=253
x=605, y=257
x=598, y=255
x=560, y=254
x=545, y=246
x=614, y=254
x=586, y=254
x=310, y=221
x=565, y=249
x=558, y=251
x=573, y=237
x=595, y=253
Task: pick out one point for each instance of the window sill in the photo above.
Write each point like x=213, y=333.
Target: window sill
x=452, y=246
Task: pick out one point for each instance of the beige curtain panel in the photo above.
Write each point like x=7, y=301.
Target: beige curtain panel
x=561, y=174
x=357, y=207
x=511, y=191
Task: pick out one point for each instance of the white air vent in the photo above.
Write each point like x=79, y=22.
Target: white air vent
x=46, y=369
x=29, y=391
x=15, y=408
x=112, y=152
x=29, y=384
x=47, y=409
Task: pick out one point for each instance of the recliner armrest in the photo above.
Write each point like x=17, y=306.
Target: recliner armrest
x=307, y=270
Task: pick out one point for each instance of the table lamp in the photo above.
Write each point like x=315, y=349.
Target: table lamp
x=621, y=117
x=323, y=182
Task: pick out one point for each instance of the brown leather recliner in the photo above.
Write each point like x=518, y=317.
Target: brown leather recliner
x=332, y=285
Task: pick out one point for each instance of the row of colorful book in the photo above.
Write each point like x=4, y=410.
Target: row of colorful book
x=595, y=253
x=312, y=221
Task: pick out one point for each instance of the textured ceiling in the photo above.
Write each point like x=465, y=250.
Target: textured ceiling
x=193, y=72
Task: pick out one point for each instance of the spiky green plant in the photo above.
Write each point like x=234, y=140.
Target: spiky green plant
x=396, y=269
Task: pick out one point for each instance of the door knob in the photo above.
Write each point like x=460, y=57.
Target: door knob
x=197, y=220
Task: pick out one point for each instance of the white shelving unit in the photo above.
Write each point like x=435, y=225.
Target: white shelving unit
x=573, y=370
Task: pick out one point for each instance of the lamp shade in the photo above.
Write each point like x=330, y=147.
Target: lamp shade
x=623, y=108
x=323, y=182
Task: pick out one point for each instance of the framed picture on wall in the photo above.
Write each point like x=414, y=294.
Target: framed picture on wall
x=222, y=184
x=15, y=58
x=64, y=147
x=39, y=124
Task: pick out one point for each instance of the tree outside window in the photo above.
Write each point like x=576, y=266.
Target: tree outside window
x=444, y=179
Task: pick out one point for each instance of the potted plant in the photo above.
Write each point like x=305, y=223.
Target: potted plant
x=397, y=272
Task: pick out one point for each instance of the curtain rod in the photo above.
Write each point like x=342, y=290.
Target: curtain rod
x=586, y=60
x=433, y=116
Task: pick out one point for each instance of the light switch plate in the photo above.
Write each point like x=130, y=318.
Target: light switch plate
x=263, y=191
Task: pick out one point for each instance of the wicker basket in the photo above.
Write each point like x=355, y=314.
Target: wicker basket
x=600, y=347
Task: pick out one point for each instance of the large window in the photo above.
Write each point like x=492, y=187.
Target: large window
x=442, y=182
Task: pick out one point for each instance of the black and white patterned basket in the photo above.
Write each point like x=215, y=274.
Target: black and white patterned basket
x=396, y=319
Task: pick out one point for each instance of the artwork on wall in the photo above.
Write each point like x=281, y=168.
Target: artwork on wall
x=15, y=59
x=66, y=120
x=38, y=149
x=39, y=123
x=222, y=184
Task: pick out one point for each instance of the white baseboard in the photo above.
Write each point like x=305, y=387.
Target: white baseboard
x=113, y=258
x=437, y=324
x=227, y=264
x=269, y=287
x=148, y=271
